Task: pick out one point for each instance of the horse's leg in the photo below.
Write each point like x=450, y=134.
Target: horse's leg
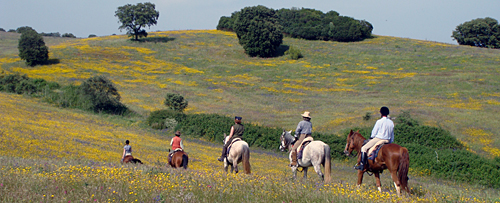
x=226, y=165
x=377, y=178
x=235, y=165
x=317, y=168
x=305, y=172
x=360, y=177
x=397, y=184
x=294, y=171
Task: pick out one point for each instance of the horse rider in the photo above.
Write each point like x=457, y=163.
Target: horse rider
x=176, y=144
x=127, y=150
x=304, y=129
x=236, y=132
x=382, y=133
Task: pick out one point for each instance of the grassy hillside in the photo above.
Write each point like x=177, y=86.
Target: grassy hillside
x=58, y=155
x=450, y=86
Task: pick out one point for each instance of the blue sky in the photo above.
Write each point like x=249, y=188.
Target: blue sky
x=432, y=20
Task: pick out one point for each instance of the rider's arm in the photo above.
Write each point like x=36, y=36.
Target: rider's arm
x=182, y=146
x=231, y=133
x=171, y=141
x=376, y=129
x=123, y=155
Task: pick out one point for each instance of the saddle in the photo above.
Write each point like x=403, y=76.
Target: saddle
x=305, y=142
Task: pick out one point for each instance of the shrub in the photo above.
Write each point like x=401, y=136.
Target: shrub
x=294, y=53
x=92, y=35
x=22, y=84
x=52, y=34
x=175, y=102
x=11, y=30
x=69, y=35
x=2, y=30
x=157, y=119
x=99, y=94
x=258, y=31
x=32, y=48
x=225, y=23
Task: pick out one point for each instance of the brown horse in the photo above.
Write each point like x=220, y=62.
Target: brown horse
x=131, y=159
x=390, y=156
x=179, y=159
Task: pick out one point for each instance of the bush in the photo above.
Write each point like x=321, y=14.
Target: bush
x=11, y=30
x=2, y=30
x=481, y=32
x=22, y=84
x=70, y=35
x=258, y=31
x=175, y=102
x=157, y=119
x=32, y=48
x=225, y=23
x=92, y=35
x=294, y=53
x=52, y=34
x=99, y=94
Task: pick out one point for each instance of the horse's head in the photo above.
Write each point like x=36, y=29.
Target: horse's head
x=350, y=144
x=285, y=140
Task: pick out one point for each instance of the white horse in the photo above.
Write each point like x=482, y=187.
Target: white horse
x=314, y=154
x=239, y=152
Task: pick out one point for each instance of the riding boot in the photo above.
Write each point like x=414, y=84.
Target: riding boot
x=362, y=165
x=223, y=155
x=294, y=158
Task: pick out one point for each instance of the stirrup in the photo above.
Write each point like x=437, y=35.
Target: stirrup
x=359, y=167
x=221, y=159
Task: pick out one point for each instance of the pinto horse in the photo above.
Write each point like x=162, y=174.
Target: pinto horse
x=239, y=152
x=390, y=156
x=179, y=159
x=315, y=154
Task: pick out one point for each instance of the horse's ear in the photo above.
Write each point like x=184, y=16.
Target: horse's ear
x=357, y=131
x=351, y=132
x=290, y=131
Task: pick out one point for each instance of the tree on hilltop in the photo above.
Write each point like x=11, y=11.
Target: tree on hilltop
x=258, y=31
x=135, y=17
x=32, y=48
x=481, y=32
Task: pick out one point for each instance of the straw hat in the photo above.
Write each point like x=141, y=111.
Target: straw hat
x=306, y=114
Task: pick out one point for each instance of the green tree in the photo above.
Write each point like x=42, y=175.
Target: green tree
x=23, y=29
x=135, y=17
x=481, y=32
x=258, y=31
x=32, y=48
x=175, y=102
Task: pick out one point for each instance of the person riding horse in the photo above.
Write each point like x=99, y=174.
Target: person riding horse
x=382, y=133
x=127, y=150
x=304, y=129
x=236, y=132
x=176, y=144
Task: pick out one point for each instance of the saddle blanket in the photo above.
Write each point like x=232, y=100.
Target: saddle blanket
x=374, y=154
x=305, y=142
x=230, y=145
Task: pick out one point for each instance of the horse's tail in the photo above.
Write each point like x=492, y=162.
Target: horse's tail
x=404, y=164
x=328, y=164
x=246, y=160
x=185, y=161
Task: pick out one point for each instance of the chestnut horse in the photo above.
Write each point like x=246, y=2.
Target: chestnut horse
x=179, y=159
x=390, y=156
x=131, y=159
